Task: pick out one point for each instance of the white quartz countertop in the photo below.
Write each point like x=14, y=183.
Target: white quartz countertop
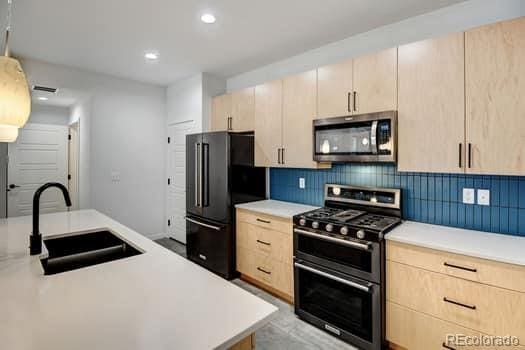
x=276, y=208
x=157, y=300
x=484, y=245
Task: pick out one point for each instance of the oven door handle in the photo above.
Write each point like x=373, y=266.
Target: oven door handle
x=334, y=278
x=363, y=246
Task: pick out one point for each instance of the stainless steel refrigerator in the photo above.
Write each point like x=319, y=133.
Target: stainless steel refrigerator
x=220, y=173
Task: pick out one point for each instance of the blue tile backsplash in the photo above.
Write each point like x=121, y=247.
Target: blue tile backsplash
x=429, y=198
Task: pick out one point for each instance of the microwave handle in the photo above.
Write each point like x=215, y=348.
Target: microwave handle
x=373, y=136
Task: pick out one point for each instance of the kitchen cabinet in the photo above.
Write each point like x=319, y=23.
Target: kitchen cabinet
x=264, y=250
x=284, y=112
x=234, y=111
x=299, y=109
x=495, y=82
x=335, y=89
x=431, y=106
x=375, y=82
x=437, y=293
x=220, y=112
x=268, y=124
x=365, y=84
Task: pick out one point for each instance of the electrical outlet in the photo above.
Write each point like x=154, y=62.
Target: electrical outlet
x=115, y=176
x=302, y=183
x=483, y=197
x=468, y=196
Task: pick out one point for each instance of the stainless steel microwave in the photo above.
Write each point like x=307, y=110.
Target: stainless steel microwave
x=358, y=138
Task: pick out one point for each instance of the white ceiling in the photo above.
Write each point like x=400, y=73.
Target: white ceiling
x=110, y=36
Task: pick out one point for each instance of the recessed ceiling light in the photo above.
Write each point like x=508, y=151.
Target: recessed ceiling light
x=151, y=56
x=42, y=98
x=208, y=18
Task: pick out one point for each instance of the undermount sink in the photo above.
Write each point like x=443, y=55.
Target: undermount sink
x=75, y=251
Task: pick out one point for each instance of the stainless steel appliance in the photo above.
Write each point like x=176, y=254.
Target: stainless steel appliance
x=358, y=138
x=339, y=262
x=220, y=173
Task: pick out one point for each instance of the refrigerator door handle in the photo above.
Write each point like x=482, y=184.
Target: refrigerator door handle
x=205, y=195
x=197, y=175
x=216, y=228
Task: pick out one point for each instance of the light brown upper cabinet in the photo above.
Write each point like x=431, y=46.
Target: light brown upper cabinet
x=268, y=124
x=431, y=110
x=221, y=107
x=284, y=114
x=365, y=84
x=234, y=112
x=299, y=108
x=495, y=103
x=375, y=82
x=335, y=89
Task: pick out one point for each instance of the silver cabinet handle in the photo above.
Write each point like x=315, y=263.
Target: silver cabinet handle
x=282, y=156
x=349, y=102
x=358, y=245
x=216, y=228
x=278, y=156
x=334, y=278
x=355, y=101
x=469, y=155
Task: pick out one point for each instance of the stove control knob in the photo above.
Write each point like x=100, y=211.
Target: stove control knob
x=360, y=234
x=302, y=222
x=344, y=230
x=315, y=224
x=329, y=227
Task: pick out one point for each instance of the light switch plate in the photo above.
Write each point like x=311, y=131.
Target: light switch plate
x=115, y=176
x=302, y=183
x=468, y=196
x=483, y=197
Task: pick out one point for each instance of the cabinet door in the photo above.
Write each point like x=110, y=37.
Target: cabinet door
x=220, y=112
x=431, y=111
x=375, y=82
x=268, y=123
x=299, y=110
x=495, y=83
x=243, y=110
x=334, y=90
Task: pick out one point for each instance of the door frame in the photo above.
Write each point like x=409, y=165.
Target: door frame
x=73, y=165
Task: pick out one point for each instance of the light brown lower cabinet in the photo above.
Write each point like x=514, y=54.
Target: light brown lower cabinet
x=264, y=252
x=247, y=343
x=423, y=306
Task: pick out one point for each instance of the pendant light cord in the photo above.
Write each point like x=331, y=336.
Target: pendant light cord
x=8, y=27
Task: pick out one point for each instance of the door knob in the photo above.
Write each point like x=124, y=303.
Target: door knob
x=12, y=186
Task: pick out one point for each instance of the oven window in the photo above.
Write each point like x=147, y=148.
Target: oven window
x=343, y=306
x=353, y=257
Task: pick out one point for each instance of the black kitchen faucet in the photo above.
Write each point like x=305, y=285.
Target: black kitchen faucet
x=35, y=240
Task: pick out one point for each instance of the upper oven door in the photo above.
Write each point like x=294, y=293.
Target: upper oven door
x=361, y=259
x=361, y=138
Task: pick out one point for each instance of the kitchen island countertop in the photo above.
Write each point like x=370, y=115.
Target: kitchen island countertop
x=156, y=300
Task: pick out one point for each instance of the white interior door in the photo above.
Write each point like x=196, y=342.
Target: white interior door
x=176, y=167
x=39, y=155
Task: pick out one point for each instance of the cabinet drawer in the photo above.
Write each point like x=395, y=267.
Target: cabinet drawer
x=261, y=267
x=480, y=270
x=473, y=305
x=267, y=221
x=413, y=330
x=274, y=244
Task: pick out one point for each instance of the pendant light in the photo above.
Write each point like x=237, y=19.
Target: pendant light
x=15, y=102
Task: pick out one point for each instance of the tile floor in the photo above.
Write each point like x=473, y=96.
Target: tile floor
x=286, y=331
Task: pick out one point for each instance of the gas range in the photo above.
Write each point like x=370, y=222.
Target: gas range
x=339, y=262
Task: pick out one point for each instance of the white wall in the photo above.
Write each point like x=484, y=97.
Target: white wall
x=47, y=114
x=190, y=99
x=126, y=134
x=454, y=18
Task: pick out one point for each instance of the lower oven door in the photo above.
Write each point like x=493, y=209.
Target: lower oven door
x=347, y=307
x=356, y=258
